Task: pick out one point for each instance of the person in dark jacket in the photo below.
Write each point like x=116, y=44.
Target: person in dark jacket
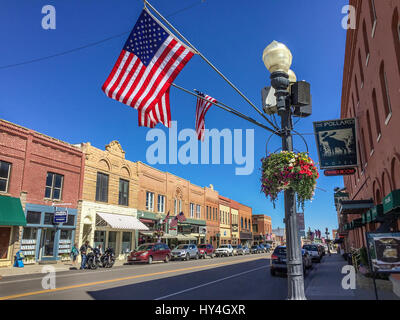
x=84, y=248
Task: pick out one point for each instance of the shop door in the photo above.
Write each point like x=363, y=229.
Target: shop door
x=4, y=241
x=47, y=243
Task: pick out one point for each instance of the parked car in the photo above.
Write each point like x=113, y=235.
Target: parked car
x=263, y=248
x=255, y=249
x=246, y=250
x=278, y=261
x=314, y=251
x=206, y=250
x=224, y=250
x=185, y=252
x=238, y=249
x=149, y=252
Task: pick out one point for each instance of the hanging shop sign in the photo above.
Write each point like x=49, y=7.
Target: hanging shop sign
x=384, y=251
x=336, y=143
x=60, y=216
x=339, y=172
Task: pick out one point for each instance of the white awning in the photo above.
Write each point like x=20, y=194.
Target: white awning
x=122, y=222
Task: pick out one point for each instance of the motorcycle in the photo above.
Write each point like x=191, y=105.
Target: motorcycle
x=93, y=259
x=108, y=258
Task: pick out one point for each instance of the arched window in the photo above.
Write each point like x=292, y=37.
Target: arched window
x=396, y=35
x=366, y=45
x=241, y=222
x=376, y=114
x=385, y=91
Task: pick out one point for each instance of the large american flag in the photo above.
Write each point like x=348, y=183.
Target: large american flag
x=149, y=62
x=202, y=107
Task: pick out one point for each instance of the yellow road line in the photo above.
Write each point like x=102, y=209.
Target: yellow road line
x=118, y=279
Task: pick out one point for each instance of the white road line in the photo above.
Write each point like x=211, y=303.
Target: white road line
x=212, y=282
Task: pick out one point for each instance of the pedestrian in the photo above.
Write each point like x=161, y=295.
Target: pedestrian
x=83, y=250
x=100, y=247
x=74, y=254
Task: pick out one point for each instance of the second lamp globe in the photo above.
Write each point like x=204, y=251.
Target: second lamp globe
x=277, y=57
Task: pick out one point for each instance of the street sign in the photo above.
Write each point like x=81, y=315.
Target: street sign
x=60, y=216
x=339, y=172
x=336, y=143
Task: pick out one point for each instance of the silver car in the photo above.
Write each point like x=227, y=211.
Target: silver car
x=185, y=252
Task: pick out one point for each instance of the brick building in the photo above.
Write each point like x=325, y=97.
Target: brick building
x=162, y=192
x=235, y=206
x=225, y=220
x=371, y=94
x=108, y=210
x=37, y=171
x=245, y=225
x=262, y=228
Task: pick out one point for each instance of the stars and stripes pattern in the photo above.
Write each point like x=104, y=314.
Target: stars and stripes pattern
x=180, y=217
x=149, y=62
x=202, y=107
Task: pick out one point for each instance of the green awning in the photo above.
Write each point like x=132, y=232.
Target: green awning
x=391, y=201
x=376, y=213
x=11, y=213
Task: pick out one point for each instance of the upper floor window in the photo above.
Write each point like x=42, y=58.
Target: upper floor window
x=198, y=211
x=376, y=114
x=161, y=203
x=5, y=169
x=192, y=210
x=149, y=201
x=385, y=92
x=370, y=140
x=396, y=36
x=241, y=222
x=123, y=198
x=177, y=206
x=102, y=187
x=54, y=184
x=361, y=68
x=366, y=45
x=372, y=12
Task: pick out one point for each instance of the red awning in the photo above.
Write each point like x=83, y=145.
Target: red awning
x=147, y=221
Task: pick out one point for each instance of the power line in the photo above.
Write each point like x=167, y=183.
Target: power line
x=92, y=44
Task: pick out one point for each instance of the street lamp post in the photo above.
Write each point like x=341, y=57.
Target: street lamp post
x=278, y=59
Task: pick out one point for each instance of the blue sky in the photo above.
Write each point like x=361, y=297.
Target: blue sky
x=62, y=96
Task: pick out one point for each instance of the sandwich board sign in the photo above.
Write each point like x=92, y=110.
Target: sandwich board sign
x=337, y=143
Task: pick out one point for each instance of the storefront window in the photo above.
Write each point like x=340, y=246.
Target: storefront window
x=65, y=242
x=49, y=218
x=112, y=240
x=126, y=242
x=100, y=238
x=4, y=241
x=33, y=217
x=29, y=233
x=70, y=220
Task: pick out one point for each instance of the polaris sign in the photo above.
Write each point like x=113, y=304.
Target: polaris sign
x=337, y=143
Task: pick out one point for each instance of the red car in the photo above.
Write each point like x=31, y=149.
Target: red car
x=206, y=250
x=150, y=252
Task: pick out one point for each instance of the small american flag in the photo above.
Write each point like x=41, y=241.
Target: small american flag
x=180, y=217
x=202, y=107
x=149, y=62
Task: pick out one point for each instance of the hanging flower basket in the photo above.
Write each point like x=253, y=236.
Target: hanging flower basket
x=286, y=170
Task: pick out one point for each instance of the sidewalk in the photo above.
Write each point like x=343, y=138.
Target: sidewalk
x=325, y=283
x=36, y=268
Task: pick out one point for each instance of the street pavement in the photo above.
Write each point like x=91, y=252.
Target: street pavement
x=229, y=278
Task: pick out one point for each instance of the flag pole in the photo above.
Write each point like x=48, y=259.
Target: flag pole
x=227, y=108
x=211, y=65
